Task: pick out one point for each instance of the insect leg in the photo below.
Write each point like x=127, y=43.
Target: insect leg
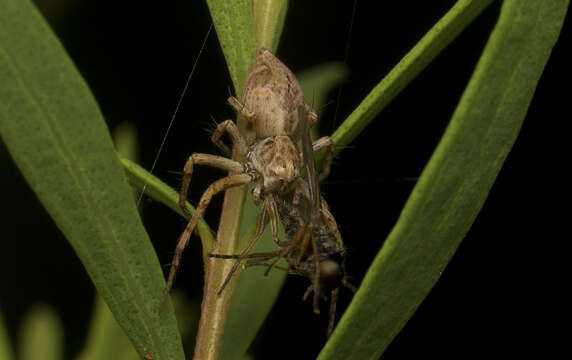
x=299, y=236
x=333, y=303
x=273, y=214
x=245, y=252
x=316, y=279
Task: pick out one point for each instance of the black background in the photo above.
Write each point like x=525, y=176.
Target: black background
x=493, y=296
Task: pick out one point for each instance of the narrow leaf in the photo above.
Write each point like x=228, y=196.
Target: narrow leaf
x=455, y=182
x=57, y=137
x=269, y=17
x=235, y=31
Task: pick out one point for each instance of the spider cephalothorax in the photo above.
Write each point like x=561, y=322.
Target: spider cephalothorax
x=277, y=159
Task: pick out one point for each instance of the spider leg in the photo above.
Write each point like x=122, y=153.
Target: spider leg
x=273, y=215
x=204, y=159
x=241, y=108
x=238, y=141
x=319, y=144
x=215, y=188
x=304, y=246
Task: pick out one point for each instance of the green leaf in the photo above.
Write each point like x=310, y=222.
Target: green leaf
x=436, y=39
x=455, y=182
x=235, y=31
x=57, y=137
x=41, y=335
x=269, y=17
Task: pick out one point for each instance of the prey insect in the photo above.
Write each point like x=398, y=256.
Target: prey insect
x=263, y=153
x=314, y=248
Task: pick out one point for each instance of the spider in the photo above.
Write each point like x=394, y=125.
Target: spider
x=265, y=151
x=315, y=247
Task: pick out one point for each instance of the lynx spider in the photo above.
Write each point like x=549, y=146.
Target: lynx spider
x=267, y=154
x=315, y=247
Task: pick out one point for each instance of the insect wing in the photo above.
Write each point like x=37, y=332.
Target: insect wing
x=309, y=161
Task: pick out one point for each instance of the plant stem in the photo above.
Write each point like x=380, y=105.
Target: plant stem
x=214, y=308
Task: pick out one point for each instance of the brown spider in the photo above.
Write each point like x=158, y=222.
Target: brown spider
x=315, y=248
x=265, y=152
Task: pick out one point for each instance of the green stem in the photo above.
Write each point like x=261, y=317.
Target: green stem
x=143, y=181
